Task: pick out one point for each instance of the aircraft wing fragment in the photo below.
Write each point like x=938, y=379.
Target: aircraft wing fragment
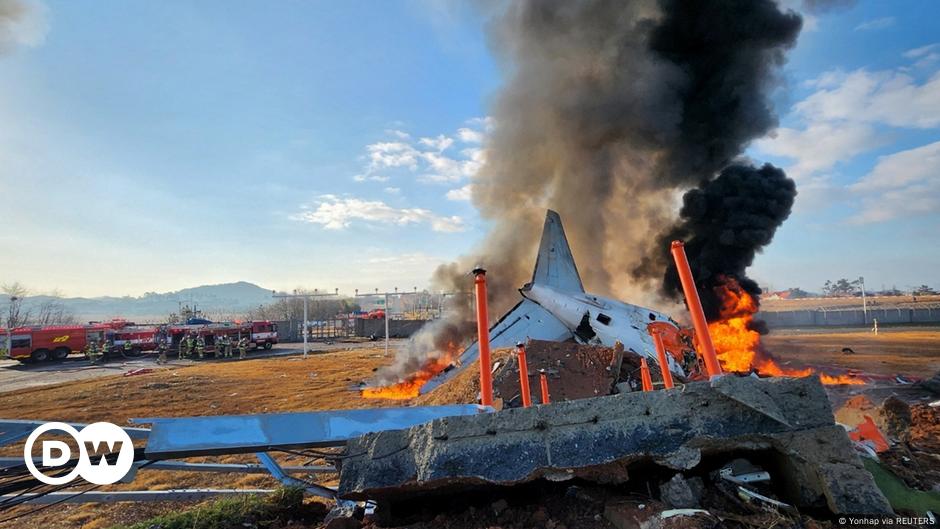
x=526, y=320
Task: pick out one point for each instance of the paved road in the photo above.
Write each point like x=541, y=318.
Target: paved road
x=15, y=375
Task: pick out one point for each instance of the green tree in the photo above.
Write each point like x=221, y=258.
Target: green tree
x=842, y=288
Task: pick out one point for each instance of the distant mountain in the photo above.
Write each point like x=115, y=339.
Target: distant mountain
x=227, y=298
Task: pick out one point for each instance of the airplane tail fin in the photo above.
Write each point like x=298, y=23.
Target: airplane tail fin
x=555, y=264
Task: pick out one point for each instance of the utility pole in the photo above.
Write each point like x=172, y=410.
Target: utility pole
x=385, y=296
x=864, y=302
x=306, y=297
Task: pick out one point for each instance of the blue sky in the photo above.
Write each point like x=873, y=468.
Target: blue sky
x=152, y=146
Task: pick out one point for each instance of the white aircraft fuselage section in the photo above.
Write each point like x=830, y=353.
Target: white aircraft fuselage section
x=609, y=320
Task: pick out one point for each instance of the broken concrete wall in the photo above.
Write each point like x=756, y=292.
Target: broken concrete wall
x=598, y=439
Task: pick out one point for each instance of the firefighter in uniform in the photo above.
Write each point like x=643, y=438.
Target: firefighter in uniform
x=242, y=348
x=200, y=346
x=91, y=350
x=128, y=348
x=106, y=347
x=161, y=347
x=184, y=347
x=226, y=345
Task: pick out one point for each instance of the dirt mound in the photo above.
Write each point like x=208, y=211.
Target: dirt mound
x=573, y=372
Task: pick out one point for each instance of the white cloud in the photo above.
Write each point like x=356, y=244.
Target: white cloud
x=875, y=24
x=469, y=135
x=445, y=169
x=393, y=190
x=336, y=213
x=890, y=97
x=392, y=154
x=370, y=178
x=902, y=184
x=22, y=23
x=925, y=56
x=440, y=143
x=845, y=117
x=461, y=193
x=430, y=158
x=921, y=51
x=820, y=145
x=400, y=134
x=487, y=123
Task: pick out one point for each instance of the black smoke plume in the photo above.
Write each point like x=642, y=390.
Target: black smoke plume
x=724, y=224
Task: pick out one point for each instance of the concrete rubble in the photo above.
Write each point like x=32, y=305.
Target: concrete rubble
x=784, y=423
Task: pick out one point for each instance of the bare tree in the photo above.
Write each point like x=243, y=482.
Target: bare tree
x=16, y=315
x=50, y=311
x=53, y=312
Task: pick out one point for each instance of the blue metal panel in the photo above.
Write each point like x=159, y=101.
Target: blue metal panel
x=12, y=430
x=228, y=434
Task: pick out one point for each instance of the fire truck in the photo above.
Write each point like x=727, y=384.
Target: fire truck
x=55, y=342
x=43, y=343
x=260, y=334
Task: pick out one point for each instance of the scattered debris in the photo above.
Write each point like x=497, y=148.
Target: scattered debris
x=742, y=472
x=868, y=432
x=677, y=493
x=932, y=384
x=766, y=503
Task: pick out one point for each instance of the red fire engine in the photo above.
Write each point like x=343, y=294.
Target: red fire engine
x=53, y=342
x=42, y=343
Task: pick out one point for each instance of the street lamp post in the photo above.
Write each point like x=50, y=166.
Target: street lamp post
x=385, y=297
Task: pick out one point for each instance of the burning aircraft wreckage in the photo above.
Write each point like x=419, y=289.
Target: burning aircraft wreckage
x=555, y=307
x=710, y=437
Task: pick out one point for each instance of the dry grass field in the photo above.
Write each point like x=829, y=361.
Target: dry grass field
x=892, y=351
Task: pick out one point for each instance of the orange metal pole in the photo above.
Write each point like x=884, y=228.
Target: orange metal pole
x=483, y=333
x=645, y=375
x=695, y=309
x=524, y=376
x=543, y=379
x=663, y=362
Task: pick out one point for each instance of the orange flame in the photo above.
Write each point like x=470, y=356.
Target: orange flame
x=410, y=386
x=738, y=345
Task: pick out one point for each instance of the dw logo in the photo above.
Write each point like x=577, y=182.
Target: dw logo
x=94, y=441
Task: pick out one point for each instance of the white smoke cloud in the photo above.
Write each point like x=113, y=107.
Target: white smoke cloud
x=22, y=23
